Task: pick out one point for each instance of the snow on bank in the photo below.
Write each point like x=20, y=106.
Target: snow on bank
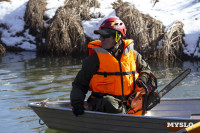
x=52, y=6
x=12, y=14
x=186, y=11
x=93, y=24
x=168, y=11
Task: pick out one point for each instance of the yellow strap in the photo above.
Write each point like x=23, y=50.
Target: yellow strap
x=196, y=125
x=117, y=38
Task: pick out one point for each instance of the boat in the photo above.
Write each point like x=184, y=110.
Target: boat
x=172, y=114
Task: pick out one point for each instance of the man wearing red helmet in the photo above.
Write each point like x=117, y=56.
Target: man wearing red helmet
x=112, y=71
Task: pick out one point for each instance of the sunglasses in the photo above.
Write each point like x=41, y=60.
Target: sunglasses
x=105, y=36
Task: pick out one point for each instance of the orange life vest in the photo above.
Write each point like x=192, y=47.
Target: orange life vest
x=93, y=44
x=114, y=77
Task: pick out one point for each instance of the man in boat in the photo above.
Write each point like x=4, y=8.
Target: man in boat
x=113, y=71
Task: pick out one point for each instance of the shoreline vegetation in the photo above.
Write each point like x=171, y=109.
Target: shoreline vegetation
x=64, y=35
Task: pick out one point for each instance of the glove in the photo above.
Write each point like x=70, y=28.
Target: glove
x=141, y=79
x=78, y=109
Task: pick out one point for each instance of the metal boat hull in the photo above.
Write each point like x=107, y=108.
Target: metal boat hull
x=169, y=115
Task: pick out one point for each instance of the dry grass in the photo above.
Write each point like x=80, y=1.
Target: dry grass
x=2, y=45
x=2, y=50
x=145, y=30
x=172, y=42
x=34, y=15
x=82, y=7
x=5, y=0
x=65, y=34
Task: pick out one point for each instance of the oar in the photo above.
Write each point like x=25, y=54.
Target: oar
x=189, y=129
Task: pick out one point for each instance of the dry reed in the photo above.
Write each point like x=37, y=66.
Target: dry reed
x=145, y=30
x=172, y=42
x=65, y=34
x=34, y=15
x=2, y=50
x=5, y=0
x=82, y=7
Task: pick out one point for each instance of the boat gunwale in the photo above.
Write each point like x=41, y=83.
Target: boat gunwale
x=37, y=104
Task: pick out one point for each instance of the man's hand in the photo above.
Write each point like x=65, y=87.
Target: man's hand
x=141, y=79
x=78, y=109
x=136, y=103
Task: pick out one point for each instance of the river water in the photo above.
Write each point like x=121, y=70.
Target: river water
x=26, y=78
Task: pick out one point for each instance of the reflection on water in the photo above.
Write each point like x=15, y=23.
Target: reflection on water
x=26, y=78
x=189, y=87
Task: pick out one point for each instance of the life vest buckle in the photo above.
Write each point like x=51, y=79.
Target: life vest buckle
x=105, y=74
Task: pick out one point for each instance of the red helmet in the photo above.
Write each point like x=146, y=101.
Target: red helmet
x=115, y=24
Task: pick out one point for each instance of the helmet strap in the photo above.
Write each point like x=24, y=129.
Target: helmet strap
x=117, y=49
x=117, y=37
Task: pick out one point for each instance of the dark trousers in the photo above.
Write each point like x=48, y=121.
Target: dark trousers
x=108, y=104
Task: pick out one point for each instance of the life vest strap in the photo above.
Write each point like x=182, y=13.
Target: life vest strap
x=105, y=74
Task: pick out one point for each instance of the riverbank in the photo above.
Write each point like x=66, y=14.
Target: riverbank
x=157, y=31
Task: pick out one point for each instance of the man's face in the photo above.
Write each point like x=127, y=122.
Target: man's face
x=107, y=41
